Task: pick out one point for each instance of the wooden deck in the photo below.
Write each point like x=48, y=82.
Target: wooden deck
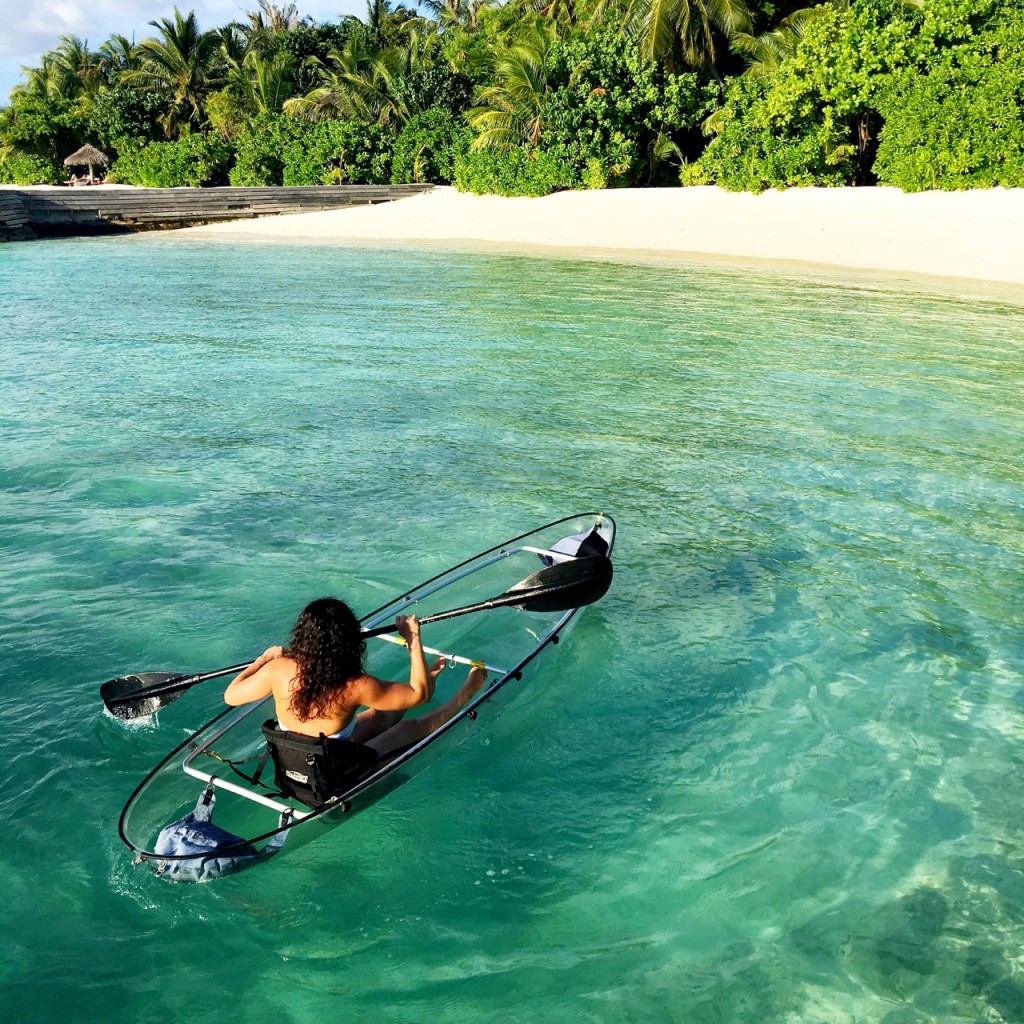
x=29, y=213
x=15, y=222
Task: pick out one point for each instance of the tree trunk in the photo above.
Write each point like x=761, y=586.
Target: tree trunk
x=868, y=125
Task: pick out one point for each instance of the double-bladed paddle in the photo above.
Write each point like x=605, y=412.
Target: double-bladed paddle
x=558, y=587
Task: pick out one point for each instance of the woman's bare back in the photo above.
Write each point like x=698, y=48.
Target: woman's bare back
x=343, y=709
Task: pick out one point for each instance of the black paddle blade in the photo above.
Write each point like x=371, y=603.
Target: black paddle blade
x=119, y=694
x=564, y=585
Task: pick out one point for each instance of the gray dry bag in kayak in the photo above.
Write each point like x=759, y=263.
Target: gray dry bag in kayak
x=579, y=545
x=210, y=851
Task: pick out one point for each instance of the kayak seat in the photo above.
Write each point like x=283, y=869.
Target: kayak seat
x=314, y=769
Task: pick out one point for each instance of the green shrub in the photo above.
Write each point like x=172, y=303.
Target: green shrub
x=118, y=113
x=192, y=160
x=277, y=149
x=513, y=172
x=598, y=114
x=36, y=134
x=916, y=95
x=304, y=42
x=339, y=153
x=25, y=169
x=957, y=121
x=610, y=110
x=428, y=147
x=693, y=174
x=259, y=151
x=435, y=86
x=763, y=143
x=814, y=120
x=595, y=175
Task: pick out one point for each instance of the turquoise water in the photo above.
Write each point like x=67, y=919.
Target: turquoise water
x=776, y=774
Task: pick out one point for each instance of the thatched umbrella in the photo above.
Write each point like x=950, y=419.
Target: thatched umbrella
x=87, y=156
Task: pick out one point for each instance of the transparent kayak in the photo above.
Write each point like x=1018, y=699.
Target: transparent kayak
x=168, y=819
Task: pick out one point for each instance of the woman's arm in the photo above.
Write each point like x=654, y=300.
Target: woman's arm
x=253, y=683
x=419, y=676
x=374, y=693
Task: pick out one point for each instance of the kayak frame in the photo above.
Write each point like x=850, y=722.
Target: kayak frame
x=292, y=816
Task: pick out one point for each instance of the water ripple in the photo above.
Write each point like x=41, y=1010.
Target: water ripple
x=775, y=776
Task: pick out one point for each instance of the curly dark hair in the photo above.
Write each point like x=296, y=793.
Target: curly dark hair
x=328, y=646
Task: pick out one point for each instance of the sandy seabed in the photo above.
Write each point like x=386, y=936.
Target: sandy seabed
x=975, y=234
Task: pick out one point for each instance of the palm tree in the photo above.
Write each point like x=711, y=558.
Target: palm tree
x=184, y=63
x=376, y=12
x=47, y=82
x=450, y=14
x=263, y=85
x=509, y=110
x=359, y=84
x=332, y=98
x=235, y=42
x=765, y=53
x=65, y=72
x=678, y=32
x=377, y=95
x=270, y=19
x=79, y=65
x=385, y=23
x=556, y=10
x=117, y=55
x=70, y=71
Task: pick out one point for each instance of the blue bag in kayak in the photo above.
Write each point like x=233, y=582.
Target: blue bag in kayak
x=211, y=851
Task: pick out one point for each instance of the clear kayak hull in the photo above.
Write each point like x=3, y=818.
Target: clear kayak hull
x=167, y=821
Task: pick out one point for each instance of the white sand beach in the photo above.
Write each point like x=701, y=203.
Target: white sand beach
x=976, y=234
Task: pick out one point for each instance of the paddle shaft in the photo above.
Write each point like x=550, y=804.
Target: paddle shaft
x=495, y=602
x=183, y=683
x=579, y=582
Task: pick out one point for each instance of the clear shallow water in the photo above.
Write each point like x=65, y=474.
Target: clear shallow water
x=774, y=776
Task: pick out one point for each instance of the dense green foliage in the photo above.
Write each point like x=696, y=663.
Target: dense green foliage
x=120, y=115
x=918, y=96
x=527, y=98
x=429, y=146
x=511, y=172
x=957, y=118
x=814, y=120
x=615, y=118
x=275, y=149
x=585, y=111
x=36, y=135
x=192, y=160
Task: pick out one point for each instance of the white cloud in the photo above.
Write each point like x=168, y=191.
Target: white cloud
x=32, y=31
x=29, y=29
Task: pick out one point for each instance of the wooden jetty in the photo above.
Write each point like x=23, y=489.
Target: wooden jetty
x=15, y=222
x=39, y=213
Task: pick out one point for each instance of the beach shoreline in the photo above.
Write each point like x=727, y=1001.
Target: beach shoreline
x=973, y=236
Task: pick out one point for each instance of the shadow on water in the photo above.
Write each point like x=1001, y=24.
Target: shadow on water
x=911, y=950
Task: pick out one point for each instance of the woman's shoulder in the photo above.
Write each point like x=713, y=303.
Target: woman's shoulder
x=285, y=665
x=285, y=670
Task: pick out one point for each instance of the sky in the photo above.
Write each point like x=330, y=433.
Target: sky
x=28, y=28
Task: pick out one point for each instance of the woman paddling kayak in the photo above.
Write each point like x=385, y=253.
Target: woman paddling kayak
x=319, y=685
x=316, y=778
